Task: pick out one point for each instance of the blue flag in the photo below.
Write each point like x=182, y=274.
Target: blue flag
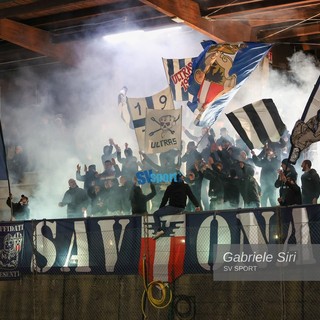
x=217, y=74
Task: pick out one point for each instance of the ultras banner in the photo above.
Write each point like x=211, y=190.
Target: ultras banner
x=118, y=245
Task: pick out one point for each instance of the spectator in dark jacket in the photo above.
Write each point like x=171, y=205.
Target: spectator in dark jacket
x=290, y=192
x=76, y=200
x=107, y=152
x=194, y=179
x=89, y=178
x=176, y=194
x=98, y=202
x=269, y=163
x=129, y=163
x=232, y=190
x=111, y=171
x=112, y=197
x=20, y=210
x=249, y=188
x=125, y=187
x=139, y=200
x=310, y=183
x=214, y=173
x=191, y=155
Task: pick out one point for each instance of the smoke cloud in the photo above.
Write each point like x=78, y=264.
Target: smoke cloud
x=64, y=116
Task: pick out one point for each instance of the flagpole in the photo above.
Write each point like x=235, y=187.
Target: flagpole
x=313, y=93
x=5, y=157
x=6, y=168
x=181, y=146
x=208, y=132
x=303, y=117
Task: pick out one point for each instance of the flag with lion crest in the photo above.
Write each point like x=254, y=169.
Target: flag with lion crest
x=217, y=74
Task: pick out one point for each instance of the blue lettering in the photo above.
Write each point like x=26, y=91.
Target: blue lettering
x=165, y=177
x=153, y=177
x=140, y=177
x=148, y=174
x=173, y=177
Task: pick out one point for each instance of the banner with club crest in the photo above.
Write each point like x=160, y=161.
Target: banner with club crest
x=11, y=244
x=163, y=130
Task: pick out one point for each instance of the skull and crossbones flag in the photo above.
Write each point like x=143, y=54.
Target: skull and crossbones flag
x=139, y=106
x=163, y=130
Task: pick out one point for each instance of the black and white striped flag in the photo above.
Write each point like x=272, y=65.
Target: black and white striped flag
x=178, y=72
x=257, y=123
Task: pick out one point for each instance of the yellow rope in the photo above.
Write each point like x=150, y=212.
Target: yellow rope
x=166, y=293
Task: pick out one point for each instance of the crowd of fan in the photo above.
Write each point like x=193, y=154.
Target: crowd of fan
x=221, y=172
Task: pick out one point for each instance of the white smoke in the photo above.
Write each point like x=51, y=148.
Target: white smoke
x=63, y=116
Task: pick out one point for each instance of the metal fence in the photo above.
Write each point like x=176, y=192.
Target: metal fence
x=134, y=285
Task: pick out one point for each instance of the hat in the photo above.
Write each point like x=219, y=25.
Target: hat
x=179, y=176
x=285, y=161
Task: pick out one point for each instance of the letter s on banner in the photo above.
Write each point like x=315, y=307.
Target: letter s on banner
x=140, y=177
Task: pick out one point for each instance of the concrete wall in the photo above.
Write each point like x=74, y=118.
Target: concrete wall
x=44, y=297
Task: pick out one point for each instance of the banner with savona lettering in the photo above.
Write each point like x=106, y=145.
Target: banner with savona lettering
x=193, y=243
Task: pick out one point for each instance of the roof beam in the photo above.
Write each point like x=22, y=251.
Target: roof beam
x=17, y=10
x=189, y=12
x=287, y=33
x=36, y=40
x=220, y=7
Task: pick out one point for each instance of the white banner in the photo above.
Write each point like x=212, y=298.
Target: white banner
x=163, y=130
x=139, y=106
